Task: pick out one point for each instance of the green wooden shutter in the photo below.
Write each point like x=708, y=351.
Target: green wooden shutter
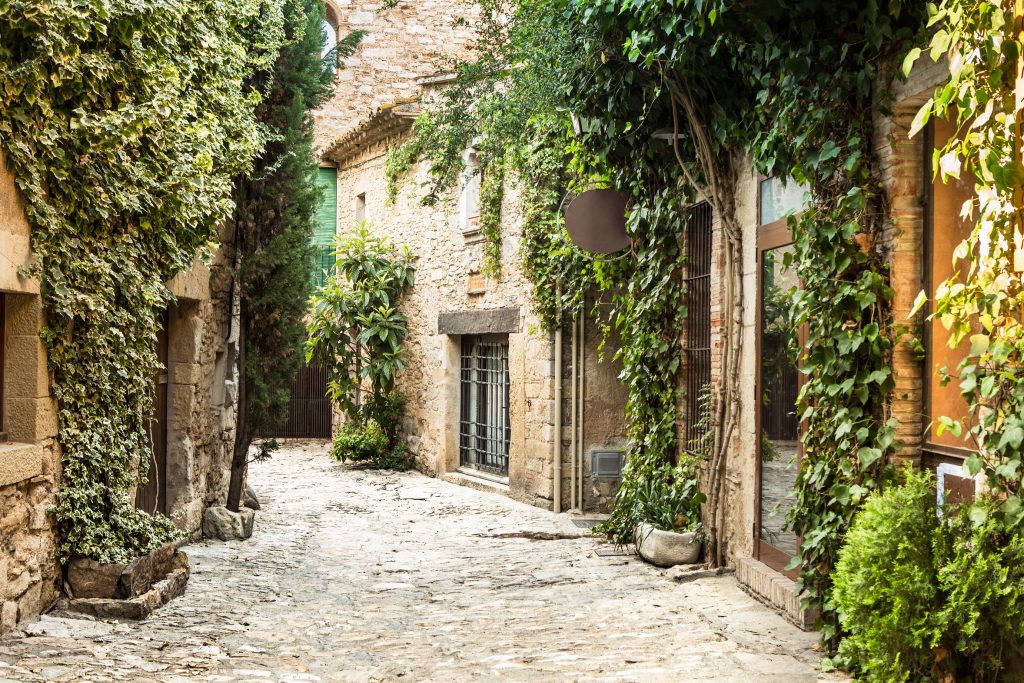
x=327, y=214
x=326, y=226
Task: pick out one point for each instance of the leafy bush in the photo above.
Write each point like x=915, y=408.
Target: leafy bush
x=372, y=436
x=982, y=580
x=668, y=498
x=886, y=583
x=922, y=599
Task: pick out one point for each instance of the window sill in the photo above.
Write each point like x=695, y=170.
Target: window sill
x=19, y=461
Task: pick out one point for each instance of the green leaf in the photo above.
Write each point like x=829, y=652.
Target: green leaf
x=922, y=117
x=908, y=61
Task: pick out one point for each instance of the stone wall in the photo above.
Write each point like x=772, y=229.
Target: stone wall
x=402, y=45
x=202, y=376
x=448, y=280
x=201, y=413
x=29, y=460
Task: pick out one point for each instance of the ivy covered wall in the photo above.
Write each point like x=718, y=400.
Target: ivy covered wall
x=123, y=126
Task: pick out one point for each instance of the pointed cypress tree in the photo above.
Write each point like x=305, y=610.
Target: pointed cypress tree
x=275, y=215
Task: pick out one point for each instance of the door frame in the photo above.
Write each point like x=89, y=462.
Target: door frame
x=770, y=236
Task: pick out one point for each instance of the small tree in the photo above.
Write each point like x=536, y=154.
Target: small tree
x=276, y=207
x=356, y=332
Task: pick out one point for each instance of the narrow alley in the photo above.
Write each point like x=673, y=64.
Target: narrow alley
x=356, y=575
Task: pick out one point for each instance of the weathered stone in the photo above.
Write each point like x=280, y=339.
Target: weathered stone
x=496, y=321
x=142, y=572
x=92, y=579
x=225, y=525
x=666, y=548
x=251, y=501
x=8, y=615
x=141, y=606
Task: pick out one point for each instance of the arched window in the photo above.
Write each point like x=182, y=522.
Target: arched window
x=329, y=29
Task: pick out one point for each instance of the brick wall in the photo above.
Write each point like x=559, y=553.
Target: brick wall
x=900, y=167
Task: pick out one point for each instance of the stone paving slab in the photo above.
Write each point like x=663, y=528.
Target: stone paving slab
x=361, y=576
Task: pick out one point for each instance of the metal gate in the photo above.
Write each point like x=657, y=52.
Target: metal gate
x=484, y=431
x=309, y=411
x=697, y=337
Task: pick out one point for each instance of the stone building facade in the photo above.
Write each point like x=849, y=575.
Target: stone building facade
x=454, y=310
x=401, y=62
x=405, y=43
x=194, y=427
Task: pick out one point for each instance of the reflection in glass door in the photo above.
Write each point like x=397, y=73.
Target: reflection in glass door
x=779, y=425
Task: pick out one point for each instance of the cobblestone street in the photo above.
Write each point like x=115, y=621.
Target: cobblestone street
x=361, y=576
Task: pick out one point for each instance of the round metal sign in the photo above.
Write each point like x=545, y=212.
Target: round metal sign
x=596, y=221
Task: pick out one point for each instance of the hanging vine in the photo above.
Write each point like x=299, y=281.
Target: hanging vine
x=799, y=103
x=123, y=125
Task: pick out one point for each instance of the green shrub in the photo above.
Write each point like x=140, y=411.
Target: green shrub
x=886, y=584
x=359, y=441
x=982, y=580
x=668, y=498
x=372, y=436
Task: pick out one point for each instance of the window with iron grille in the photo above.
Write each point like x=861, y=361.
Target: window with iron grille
x=484, y=431
x=697, y=335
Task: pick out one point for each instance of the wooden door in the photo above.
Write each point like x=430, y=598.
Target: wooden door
x=153, y=496
x=309, y=410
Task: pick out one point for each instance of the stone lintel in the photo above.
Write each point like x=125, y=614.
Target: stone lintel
x=493, y=321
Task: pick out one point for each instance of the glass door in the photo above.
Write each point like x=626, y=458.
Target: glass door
x=778, y=424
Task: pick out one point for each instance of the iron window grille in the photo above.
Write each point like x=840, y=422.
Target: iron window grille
x=697, y=335
x=484, y=431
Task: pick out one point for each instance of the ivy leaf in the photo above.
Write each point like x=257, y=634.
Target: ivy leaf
x=908, y=61
x=922, y=117
x=868, y=457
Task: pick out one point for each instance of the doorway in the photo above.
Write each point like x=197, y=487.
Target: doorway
x=778, y=428
x=152, y=497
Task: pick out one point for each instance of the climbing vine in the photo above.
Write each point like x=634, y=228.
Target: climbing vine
x=645, y=84
x=123, y=124
x=960, y=612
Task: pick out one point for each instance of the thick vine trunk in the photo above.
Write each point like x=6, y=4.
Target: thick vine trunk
x=243, y=432
x=719, y=187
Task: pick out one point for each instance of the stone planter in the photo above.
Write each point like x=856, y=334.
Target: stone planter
x=667, y=548
x=127, y=591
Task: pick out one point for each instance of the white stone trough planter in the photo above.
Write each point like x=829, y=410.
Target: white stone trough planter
x=667, y=548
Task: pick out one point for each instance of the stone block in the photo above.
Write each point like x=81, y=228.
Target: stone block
x=19, y=462
x=24, y=313
x=141, y=606
x=667, y=548
x=8, y=616
x=30, y=604
x=225, y=525
x=494, y=321
x=28, y=377
x=92, y=579
x=30, y=419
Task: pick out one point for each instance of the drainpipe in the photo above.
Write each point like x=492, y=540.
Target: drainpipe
x=582, y=396
x=575, y=369
x=556, y=485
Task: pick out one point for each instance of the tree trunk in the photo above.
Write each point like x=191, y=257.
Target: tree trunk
x=243, y=435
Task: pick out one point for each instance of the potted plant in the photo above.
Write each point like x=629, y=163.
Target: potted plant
x=668, y=505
